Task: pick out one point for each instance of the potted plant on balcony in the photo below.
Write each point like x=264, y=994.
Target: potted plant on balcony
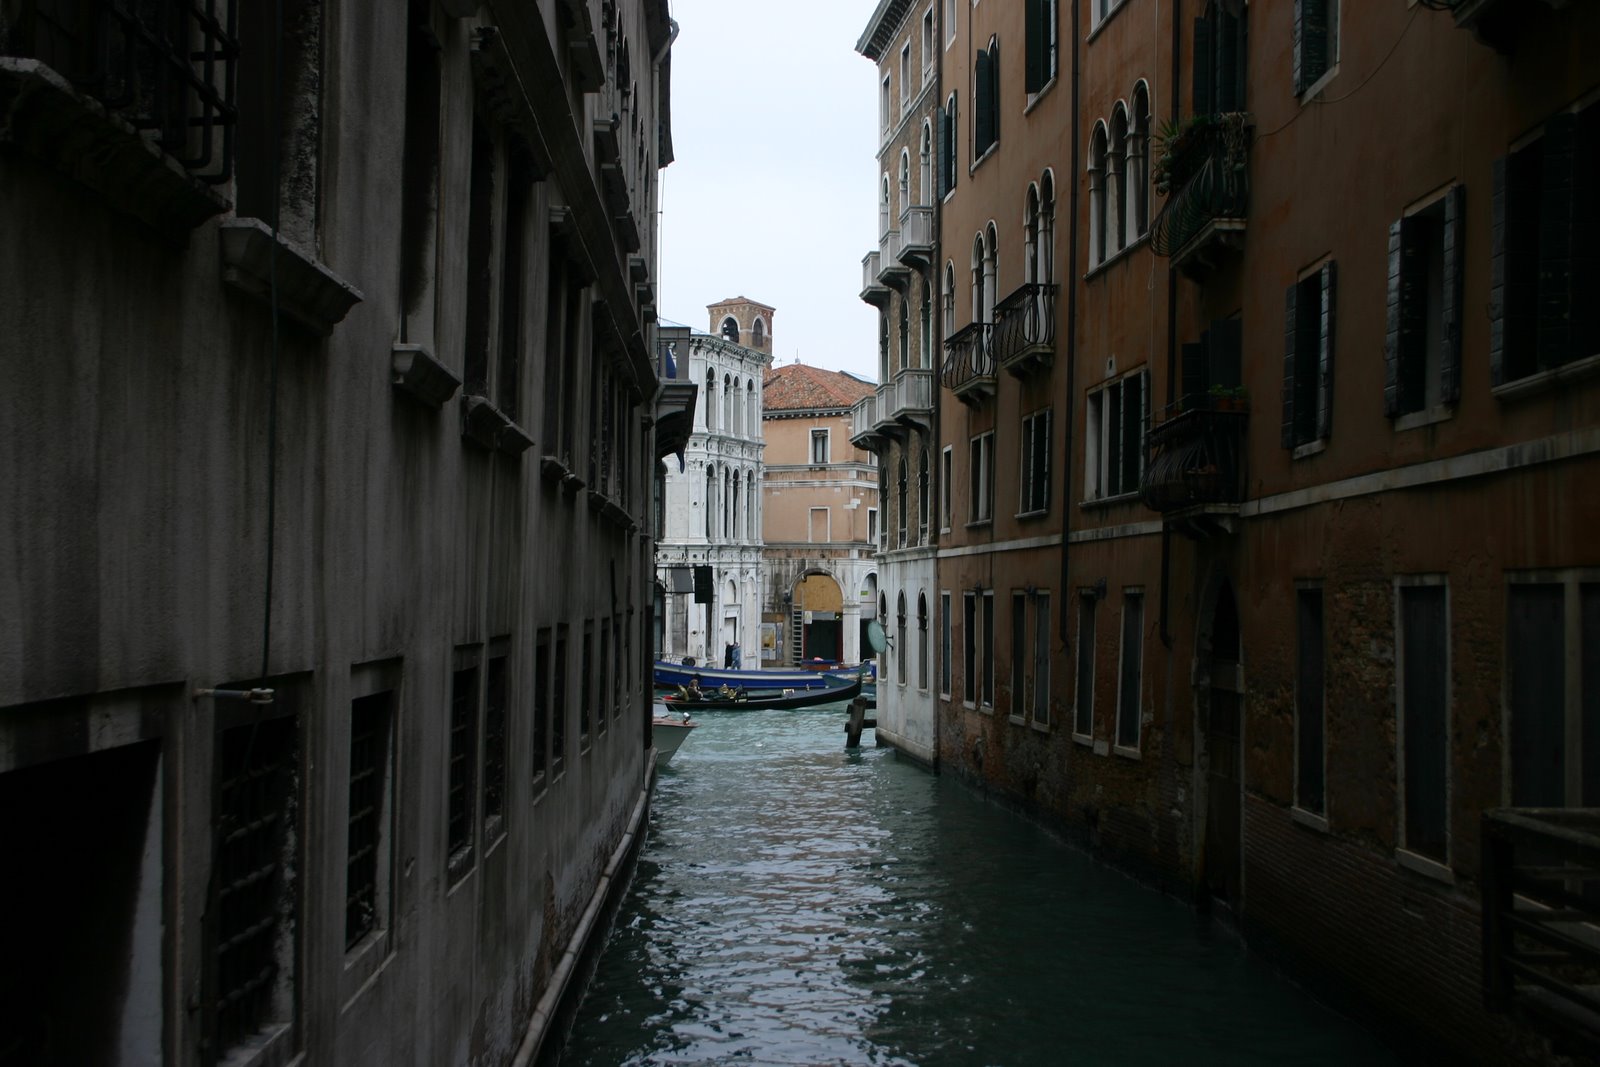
x=1183, y=146
x=1230, y=398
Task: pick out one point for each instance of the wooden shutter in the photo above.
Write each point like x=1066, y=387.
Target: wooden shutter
x=1225, y=352
x=994, y=92
x=1310, y=43
x=1225, y=31
x=1325, y=351
x=942, y=141
x=1297, y=48
x=1498, y=264
x=1201, y=98
x=951, y=140
x=982, y=118
x=1035, y=40
x=1392, y=388
x=1557, y=191
x=1455, y=221
x=1414, y=242
x=1291, y=323
x=1133, y=419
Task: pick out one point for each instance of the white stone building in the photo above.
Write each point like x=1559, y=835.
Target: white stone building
x=712, y=507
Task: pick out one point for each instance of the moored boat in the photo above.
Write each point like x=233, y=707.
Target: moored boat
x=669, y=730
x=757, y=701
x=672, y=675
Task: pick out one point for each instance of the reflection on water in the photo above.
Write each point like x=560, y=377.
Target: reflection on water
x=800, y=904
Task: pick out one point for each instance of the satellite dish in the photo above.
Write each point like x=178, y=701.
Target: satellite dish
x=875, y=636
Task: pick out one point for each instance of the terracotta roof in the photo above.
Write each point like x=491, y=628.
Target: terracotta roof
x=798, y=387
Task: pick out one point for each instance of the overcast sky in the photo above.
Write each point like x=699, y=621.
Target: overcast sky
x=771, y=195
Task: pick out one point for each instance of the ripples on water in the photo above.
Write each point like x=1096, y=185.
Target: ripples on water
x=798, y=904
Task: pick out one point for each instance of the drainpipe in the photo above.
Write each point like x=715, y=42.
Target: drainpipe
x=936, y=346
x=1072, y=280
x=1172, y=334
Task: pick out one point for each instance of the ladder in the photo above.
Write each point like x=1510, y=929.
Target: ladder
x=797, y=633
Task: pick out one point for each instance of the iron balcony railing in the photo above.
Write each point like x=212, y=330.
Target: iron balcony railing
x=166, y=67
x=1025, y=326
x=1214, y=193
x=1195, y=457
x=969, y=359
x=1541, y=907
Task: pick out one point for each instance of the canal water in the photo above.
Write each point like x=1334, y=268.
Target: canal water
x=799, y=904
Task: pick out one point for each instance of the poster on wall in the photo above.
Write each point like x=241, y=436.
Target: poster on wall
x=769, y=641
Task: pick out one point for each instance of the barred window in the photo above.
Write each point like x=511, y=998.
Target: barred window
x=366, y=837
x=463, y=758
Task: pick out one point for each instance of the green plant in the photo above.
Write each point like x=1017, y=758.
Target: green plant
x=1172, y=143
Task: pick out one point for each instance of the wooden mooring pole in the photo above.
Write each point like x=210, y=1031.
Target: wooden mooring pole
x=857, y=723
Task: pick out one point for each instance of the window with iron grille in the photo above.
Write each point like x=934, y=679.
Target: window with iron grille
x=1131, y=677
x=969, y=637
x=606, y=680
x=1041, y=659
x=624, y=669
x=166, y=67
x=1316, y=41
x=1019, y=653
x=586, y=684
x=988, y=649
x=1083, y=700
x=540, y=758
x=558, y=706
x=253, y=891
x=494, y=742
x=944, y=645
x=366, y=836
x=462, y=785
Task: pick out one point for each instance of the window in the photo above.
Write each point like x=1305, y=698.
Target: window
x=922, y=497
x=1114, y=432
x=1138, y=168
x=494, y=741
x=1041, y=659
x=463, y=762
x=818, y=531
x=1308, y=359
x=1422, y=349
x=925, y=165
x=586, y=682
x=905, y=333
x=883, y=106
x=949, y=298
x=988, y=648
x=925, y=341
x=558, y=707
x=944, y=645
x=752, y=416
x=1044, y=271
x=901, y=502
x=1117, y=181
x=1040, y=19
x=1130, y=676
x=946, y=120
x=1309, y=736
x=872, y=525
x=1020, y=653
x=819, y=447
x=883, y=346
x=884, y=208
x=1541, y=308
x=905, y=78
x=711, y=396
x=981, y=485
x=986, y=100
x=1083, y=701
x=1316, y=41
x=1218, y=85
x=922, y=641
x=1552, y=689
x=928, y=52
x=900, y=632
x=368, y=842
x=1422, y=692
x=758, y=334
x=969, y=639
x=946, y=462
x=949, y=21
x=1035, y=480
x=1097, y=194
x=541, y=710
x=1100, y=10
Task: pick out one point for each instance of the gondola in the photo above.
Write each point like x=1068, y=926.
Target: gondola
x=672, y=675
x=765, y=700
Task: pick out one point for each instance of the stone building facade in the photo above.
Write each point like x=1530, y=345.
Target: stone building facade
x=331, y=417
x=819, y=518
x=1269, y=387
x=712, y=513
x=899, y=423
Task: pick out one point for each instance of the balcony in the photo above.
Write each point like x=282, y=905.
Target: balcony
x=1195, y=466
x=1499, y=23
x=1025, y=329
x=1206, y=174
x=864, y=424
x=1541, y=959
x=915, y=245
x=873, y=291
x=969, y=363
x=890, y=270
x=913, y=398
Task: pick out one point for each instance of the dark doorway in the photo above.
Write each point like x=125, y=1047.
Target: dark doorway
x=1221, y=713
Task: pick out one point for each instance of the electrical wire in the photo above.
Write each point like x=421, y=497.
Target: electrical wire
x=1324, y=100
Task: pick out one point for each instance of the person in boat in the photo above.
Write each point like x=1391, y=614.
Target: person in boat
x=695, y=692
x=741, y=694
x=724, y=692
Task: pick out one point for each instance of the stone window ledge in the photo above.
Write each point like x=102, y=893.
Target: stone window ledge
x=45, y=117
x=417, y=372
x=490, y=427
x=1549, y=380
x=308, y=292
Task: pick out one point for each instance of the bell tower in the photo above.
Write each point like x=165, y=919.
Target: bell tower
x=742, y=321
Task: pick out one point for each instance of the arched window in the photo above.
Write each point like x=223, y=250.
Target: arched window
x=900, y=500
x=900, y=631
x=1117, y=176
x=925, y=170
x=905, y=332
x=727, y=405
x=730, y=329
x=1139, y=160
x=727, y=504
x=922, y=497
x=736, y=412
x=922, y=640
x=711, y=501
x=1097, y=195
x=738, y=531
x=711, y=399
x=949, y=297
x=905, y=179
x=752, y=416
x=883, y=208
x=1045, y=273
x=758, y=334
x=991, y=273
x=978, y=302
x=925, y=347
x=883, y=346
x=1030, y=234
x=752, y=519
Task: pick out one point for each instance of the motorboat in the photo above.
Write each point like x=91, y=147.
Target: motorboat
x=672, y=675
x=669, y=729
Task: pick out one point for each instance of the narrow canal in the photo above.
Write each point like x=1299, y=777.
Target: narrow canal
x=798, y=904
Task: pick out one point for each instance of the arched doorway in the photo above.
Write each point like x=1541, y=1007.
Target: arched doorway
x=818, y=616
x=1221, y=703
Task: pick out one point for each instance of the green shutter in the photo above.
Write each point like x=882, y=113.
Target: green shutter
x=982, y=104
x=1498, y=263
x=994, y=92
x=1201, y=99
x=1033, y=17
x=942, y=147
x=1455, y=220
x=1291, y=324
x=1557, y=193
x=1392, y=406
x=1325, y=350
